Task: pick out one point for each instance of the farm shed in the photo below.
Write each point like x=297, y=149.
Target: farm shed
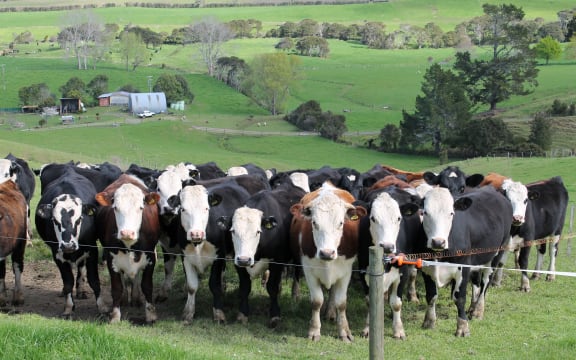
x=71, y=105
x=155, y=102
x=118, y=98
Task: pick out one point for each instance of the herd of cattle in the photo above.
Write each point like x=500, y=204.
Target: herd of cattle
x=317, y=221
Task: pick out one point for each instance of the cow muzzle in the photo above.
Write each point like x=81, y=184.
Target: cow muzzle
x=243, y=261
x=327, y=254
x=68, y=247
x=128, y=235
x=438, y=244
x=196, y=236
x=388, y=248
x=517, y=220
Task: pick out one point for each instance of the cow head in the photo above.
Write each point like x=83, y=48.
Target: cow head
x=328, y=209
x=453, y=179
x=128, y=202
x=66, y=212
x=195, y=203
x=517, y=193
x=385, y=220
x=168, y=186
x=438, y=214
x=246, y=227
x=8, y=170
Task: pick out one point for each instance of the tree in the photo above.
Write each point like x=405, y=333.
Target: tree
x=541, y=132
x=440, y=111
x=97, y=86
x=284, y=44
x=482, y=136
x=511, y=69
x=270, y=79
x=305, y=116
x=36, y=94
x=82, y=32
x=548, y=48
x=174, y=86
x=313, y=46
x=389, y=137
x=73, y=87
x=232, y=71
x=132, y=50
x=211, y=35
x=332, y=126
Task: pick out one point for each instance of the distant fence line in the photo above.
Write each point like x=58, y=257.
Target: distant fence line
x=554, y=153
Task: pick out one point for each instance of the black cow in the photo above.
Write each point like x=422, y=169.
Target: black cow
x=210, y=170
x=453, y=179
x=544, y=220
x=261, y=237
x=65, y=221
x=472, y=230
x=367, y=179
x=100, y=178
x=393, y=224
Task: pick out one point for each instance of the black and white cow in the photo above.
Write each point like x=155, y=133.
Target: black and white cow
x=17, y=170
x=100, y=178
x=453, y=179
x=65, y=221
x=471, y=230
x=261, y=237
x=393, y=223
x=544, y=220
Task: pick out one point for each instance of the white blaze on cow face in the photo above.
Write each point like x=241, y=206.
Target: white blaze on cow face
x=67, y=220
x=327, y=213
x=438, y=216
x=246, y=229
x=385, y=219
x=6, y=171
x=128, y=208
x=517, y=193
x=169, y=186
x=194, y=211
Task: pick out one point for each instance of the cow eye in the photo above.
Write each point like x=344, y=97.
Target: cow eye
x=399, y=218
x=525, y=201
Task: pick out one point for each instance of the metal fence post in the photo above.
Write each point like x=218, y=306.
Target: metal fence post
x=376, y=296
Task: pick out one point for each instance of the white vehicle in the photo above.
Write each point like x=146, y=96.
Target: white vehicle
x=145, y=114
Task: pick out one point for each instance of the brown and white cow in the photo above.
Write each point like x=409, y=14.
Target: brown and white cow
x=129, y=228
x=13, y=232
x=324, y=237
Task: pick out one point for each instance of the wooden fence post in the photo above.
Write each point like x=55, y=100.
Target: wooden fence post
x=376, y=296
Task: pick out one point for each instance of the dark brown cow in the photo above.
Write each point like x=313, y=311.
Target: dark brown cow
x=129, y=228
x=324, y=237
x=13, y=231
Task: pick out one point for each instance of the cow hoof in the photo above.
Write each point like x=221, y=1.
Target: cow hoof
x=550, y=277
x=274, y=322
x=241, y=318
x=82, y=295
x=347, y=338
x=365, y=332
x=535, y=276
x=462, y=329
x=66, y=316
x=399, y=336
x=314, y=337
x=525, y=288
x=219, y=316
x=428, y=324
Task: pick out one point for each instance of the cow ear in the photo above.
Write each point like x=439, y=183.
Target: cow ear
x=103, y=199
x=174, y=201
x=296, y=209
x=214, y=199
x=188, y=182
x=533, y=195
x=88, y=209
x=409, y=209
x=44, y=211
x=430, y=178
x=474, y=180
x=462, y=203
x=194, y=174
x=152, y=198
x=224, y=223
x=152, y=183
x=269, y=223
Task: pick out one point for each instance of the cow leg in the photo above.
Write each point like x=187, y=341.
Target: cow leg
x=316, y=300
x=81, y=281
x=117, y=289
x=215, y=284
x=496, y=280
x=479, y=294
x=330, y=311
x=553, y=254
x=412, y=294
x=524, y=255
x=459, y=287
x=94, y=279
x=431, y=298
x=395, y=294
x=3, y=283
x=67, y=276
x=245, y=287
x=169, y=264
x=147, y=286
x=296, y=283
x=18, y=268
x=273, y=288
x=539, y=261
x=339, y=293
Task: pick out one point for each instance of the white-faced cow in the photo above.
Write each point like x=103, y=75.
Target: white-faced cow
x=203, y=242
x=261, y=237
x=393, y=223
x=324, y=237
x=13, y=232
x=65, y=221
x=129, y=228
x=544, y=220
x=472, y=230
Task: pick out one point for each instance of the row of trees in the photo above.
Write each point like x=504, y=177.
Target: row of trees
x=443, y=119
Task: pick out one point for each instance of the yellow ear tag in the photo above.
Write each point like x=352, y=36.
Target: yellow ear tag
x=354, y=217
x=268, y=226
